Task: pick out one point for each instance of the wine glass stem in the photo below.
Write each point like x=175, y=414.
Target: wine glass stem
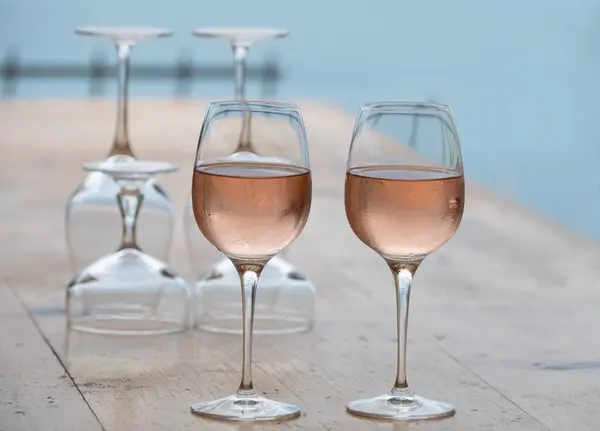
x=403, y=278
x=130, y=202
x=121, y=141
x=240, y=55
x=249, y=281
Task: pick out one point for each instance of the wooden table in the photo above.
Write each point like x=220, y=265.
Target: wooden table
x=504, y=319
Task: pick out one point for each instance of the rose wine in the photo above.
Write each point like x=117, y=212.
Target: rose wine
x=251, y=211
x=401, y=212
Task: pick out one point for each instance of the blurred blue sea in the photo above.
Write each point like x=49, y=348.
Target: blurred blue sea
x=521, y=76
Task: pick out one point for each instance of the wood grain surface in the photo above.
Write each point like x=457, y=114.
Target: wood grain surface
x=36, y=393
x=504, y=318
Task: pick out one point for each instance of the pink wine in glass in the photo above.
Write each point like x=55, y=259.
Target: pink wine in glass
x=404, y=212
x=251, y=211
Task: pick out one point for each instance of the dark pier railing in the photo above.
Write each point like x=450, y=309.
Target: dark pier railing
x=98, y=71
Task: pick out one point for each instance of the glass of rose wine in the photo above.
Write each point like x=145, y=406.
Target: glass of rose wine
x=404, y=198
x=250, y=208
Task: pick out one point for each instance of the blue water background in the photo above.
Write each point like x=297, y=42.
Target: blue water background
x=523, y=76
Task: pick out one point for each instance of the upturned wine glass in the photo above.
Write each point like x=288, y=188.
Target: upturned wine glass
x=128, y=292
x=404, y=198
x=93, y=203
x=250, y=208
x=288, y=301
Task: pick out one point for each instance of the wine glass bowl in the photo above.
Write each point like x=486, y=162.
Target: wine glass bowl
x=128, y=292
x=429, y=203
x=404, y=198
x=251, y=208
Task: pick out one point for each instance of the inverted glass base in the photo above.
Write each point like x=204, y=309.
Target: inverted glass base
x=127, y=293
x=275, y=324
x=146, y=323
x=285, y=300
x=246, y=408
x=406, y=406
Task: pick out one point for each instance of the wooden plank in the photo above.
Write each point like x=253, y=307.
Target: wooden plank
x=36, y=393
x=137, y=384
x=503, y=318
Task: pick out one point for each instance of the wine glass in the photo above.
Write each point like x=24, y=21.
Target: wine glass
x=404, y=198
x=93, y=201
x=250, y=208
x=288, y=301
x=128, y=292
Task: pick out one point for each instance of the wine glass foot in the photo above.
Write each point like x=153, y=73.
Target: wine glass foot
x=245, y=408
x=406, y=406
x=241, y=36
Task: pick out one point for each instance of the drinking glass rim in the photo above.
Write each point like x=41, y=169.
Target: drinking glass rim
x=247, y=105
x=401, y=105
